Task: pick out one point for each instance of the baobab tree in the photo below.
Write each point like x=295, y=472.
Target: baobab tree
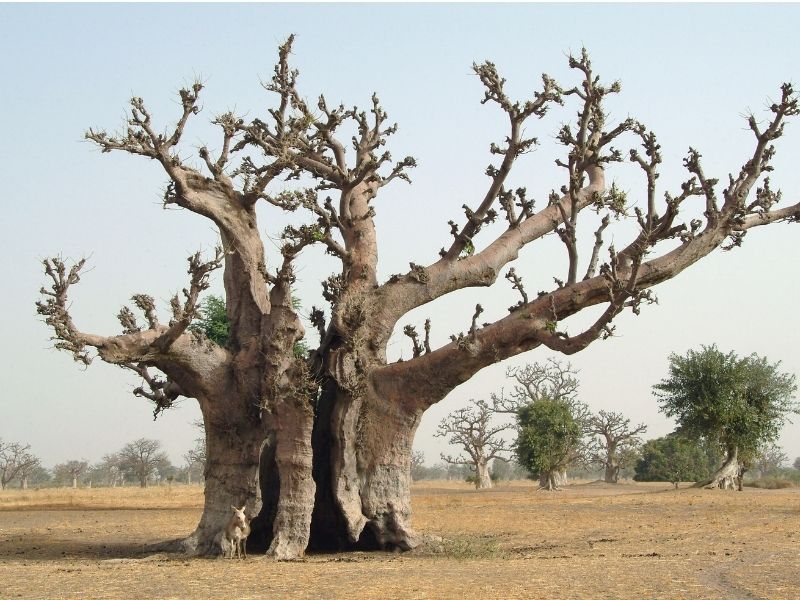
x=15, y=462
x=320, y=446
x=552, y=380
x=70, y=471
x=143, y=458
x=613, y=440
x=195, y=459
x=471, y=430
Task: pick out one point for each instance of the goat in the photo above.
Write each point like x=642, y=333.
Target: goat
x=236, y=532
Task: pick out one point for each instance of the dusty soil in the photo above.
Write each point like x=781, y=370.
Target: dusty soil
x=589, y=541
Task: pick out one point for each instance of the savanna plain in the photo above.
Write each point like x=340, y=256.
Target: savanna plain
x=591, y=540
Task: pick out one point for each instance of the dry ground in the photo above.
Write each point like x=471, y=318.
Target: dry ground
x=589, y=541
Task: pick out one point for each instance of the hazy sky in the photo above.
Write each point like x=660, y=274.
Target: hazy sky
x=688, y=71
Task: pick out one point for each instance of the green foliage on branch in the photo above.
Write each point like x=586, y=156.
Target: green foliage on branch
x=733, y=402
x=213, y=322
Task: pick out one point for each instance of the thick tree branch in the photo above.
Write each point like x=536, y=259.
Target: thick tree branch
x=192, y=365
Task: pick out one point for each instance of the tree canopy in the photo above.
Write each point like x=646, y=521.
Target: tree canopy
x=732, y=401
x=737, y=403
x=548, y=436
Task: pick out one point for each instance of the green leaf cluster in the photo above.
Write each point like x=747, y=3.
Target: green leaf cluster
x=213, y=321
x=676, y=458
x=547, y=436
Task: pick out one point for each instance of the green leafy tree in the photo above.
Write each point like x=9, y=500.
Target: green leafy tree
x=548, y=437
x=736, y=403
x=675, y=458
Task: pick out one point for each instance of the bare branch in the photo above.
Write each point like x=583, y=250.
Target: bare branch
x=163, y=392
x=184, y=314
x=54, y=307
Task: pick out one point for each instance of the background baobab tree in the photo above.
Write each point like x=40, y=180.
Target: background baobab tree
x=69, y=472
x=143, y=458
x=471, y=430
x=614, y=441
x=16, y=462
x=195, y=459
x=553, y=380
x=320, y=447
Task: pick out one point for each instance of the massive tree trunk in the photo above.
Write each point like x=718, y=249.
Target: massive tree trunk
x=550, y=480
x=231, y=478
x=482, y=478
x=612, y=470
x=728, y=476
x=362, y=468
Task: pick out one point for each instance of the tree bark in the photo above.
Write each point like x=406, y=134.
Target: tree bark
x=483, y=480
x=550, y=481
x=362, y=469
x=231, y=478
x=612, y=471
x=727, y=477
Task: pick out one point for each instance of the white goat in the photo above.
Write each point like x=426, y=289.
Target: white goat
x=236, y=532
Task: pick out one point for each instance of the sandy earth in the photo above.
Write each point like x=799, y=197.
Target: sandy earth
x=588, y=541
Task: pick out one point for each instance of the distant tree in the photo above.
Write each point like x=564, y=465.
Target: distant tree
x=39, y=476
x=195, y=459
x=107, y=471
x=796, y=463
x=505, y=470
x=417, y=465
x=144, y=458
x=548, y=438
x=676, y=458
x=551, y=380
x=768, y=459
x=472, y=431
x=736, y=403
x=70, y=471
x=612, y=439
x=29, y=470
x=15, y=459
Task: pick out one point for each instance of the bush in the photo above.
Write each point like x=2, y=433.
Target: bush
x=769, y=483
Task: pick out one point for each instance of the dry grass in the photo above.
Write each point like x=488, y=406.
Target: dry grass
x=589, y=541
x=131, y=498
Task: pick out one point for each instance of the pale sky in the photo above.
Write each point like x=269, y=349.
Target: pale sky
x=689, y=72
